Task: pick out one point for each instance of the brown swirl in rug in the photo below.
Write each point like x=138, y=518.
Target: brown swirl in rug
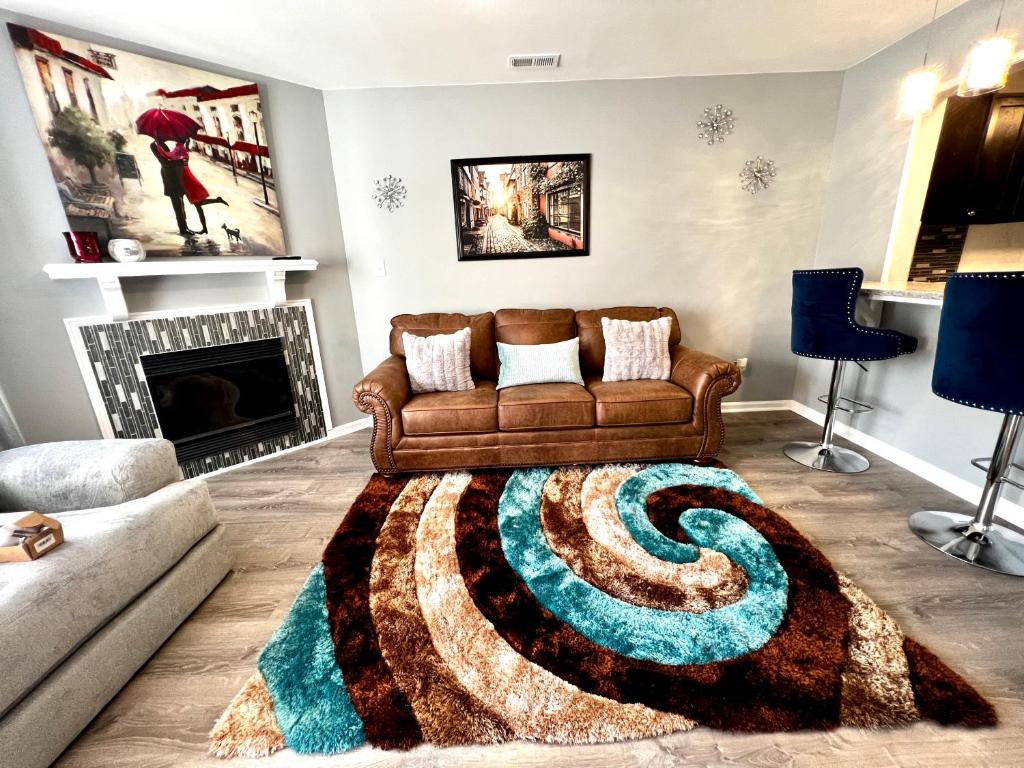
x=447, y=713
x=536, y=704
x=792, y=682
x=941, y=694
x=876, y=680
x=711, y=582
x=248, y=727
x=416, y=626
x=387, y=716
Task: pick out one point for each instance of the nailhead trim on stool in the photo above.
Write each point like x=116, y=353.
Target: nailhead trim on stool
x=851, y=302
x=980, y=276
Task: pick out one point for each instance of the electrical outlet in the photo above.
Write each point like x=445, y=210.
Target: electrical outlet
x=742, y=364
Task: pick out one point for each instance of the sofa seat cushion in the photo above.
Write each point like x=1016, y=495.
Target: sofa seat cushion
x=452, y=413
x=636, y=403
x=110, y=555
x=545, y=406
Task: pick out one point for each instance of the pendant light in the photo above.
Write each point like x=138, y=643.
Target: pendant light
x=988, y=64
x=919, y=88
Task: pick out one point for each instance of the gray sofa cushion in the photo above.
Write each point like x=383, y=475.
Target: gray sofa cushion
x=36, y=731
x=50, y=606
x=83, y=474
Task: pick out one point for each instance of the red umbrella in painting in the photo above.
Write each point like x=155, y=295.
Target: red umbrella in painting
x=167, y=125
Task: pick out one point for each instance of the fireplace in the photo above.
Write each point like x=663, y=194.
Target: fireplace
x=217, y=398
x=128, y=365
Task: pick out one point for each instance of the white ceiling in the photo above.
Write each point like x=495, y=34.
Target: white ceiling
x=366, y=43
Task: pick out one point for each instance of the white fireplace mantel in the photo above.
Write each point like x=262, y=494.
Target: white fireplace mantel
x=108, y=274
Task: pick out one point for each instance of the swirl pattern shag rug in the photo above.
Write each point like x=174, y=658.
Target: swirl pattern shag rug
x=577, y=605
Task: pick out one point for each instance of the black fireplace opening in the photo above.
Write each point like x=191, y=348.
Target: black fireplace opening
x=218, y=398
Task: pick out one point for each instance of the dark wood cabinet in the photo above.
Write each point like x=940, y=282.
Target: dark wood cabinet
x=978, y=173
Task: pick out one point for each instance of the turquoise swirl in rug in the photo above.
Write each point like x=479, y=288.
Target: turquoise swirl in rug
x=631, y=500
x=442, y=612
x=666, y=637
x=311, y=703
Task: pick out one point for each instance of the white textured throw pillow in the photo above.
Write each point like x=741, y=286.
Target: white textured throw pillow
x=438, y=363
x=539, y=363
x=636, y=350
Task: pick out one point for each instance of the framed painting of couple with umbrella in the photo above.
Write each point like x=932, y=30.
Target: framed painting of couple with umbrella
x=172, y=156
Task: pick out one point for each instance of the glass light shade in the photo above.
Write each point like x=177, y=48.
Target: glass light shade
x=987, y=67
x=917, y=93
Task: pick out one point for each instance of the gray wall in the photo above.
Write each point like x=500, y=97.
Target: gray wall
x=669, y=223
x=38, y=373
x=867, y=164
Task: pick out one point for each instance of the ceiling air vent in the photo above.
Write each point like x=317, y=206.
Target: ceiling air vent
x=534, y=60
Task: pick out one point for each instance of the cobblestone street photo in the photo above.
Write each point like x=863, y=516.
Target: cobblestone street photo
x=498, y=236
x=508, y=207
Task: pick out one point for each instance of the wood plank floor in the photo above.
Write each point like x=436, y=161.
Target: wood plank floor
x=280, y=513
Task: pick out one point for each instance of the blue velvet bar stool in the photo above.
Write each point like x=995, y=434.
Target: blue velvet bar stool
x=825, y=327
x=980, y=363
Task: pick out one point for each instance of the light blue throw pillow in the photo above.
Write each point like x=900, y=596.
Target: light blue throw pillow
x=539, y=363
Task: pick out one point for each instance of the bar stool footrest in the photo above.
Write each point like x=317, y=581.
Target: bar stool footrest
x=985, y=462
x=853, y=407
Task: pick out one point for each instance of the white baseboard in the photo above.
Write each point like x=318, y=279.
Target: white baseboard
x=349, y=427
x=333, y=432
x=947, y=481
x=750, y=406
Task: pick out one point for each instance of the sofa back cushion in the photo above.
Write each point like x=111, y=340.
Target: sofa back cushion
x=534, y=326
x=483, y=353
x=439, y=363
x=592, y=335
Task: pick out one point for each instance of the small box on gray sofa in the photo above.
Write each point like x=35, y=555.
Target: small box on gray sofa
x=142, y=549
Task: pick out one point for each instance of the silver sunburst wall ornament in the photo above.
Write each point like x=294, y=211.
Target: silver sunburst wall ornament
x=389, y=193
x=716, y=124
x=757, y=174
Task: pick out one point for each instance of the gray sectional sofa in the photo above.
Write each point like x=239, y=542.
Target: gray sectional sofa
x=142, y=549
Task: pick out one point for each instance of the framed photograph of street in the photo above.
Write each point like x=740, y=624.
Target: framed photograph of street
x=523, y=207
x=172, y=156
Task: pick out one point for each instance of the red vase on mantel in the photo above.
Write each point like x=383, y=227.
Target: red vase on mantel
x=84, y=247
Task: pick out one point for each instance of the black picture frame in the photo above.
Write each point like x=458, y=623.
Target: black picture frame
x=475, y=234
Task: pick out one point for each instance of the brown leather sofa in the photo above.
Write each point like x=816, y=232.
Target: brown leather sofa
x=542, y=424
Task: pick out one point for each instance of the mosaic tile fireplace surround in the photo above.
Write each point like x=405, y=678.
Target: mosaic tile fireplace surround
x=109, y=354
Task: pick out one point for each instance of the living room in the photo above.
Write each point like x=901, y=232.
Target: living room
x=473, y=384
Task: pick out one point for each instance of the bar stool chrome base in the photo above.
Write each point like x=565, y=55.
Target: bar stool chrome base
x=823, y=455
x=834, y=459
x=999, y=549
x=980, y=540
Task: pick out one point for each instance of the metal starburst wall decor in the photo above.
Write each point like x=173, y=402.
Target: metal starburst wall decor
x=716, y=124
x=757, y=174
x=389, y=193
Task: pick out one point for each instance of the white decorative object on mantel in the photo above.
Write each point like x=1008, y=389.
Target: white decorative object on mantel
x=108, y=275
x=126, y=251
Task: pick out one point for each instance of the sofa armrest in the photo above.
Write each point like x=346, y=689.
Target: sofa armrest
x=383, y=392
x=708, y=379
x=696, y=371
x=84, y=474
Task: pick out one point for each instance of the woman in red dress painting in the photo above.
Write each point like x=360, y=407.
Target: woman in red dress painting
x=196, y=193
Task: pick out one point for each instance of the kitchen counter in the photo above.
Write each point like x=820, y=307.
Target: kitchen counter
x=904, y=293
